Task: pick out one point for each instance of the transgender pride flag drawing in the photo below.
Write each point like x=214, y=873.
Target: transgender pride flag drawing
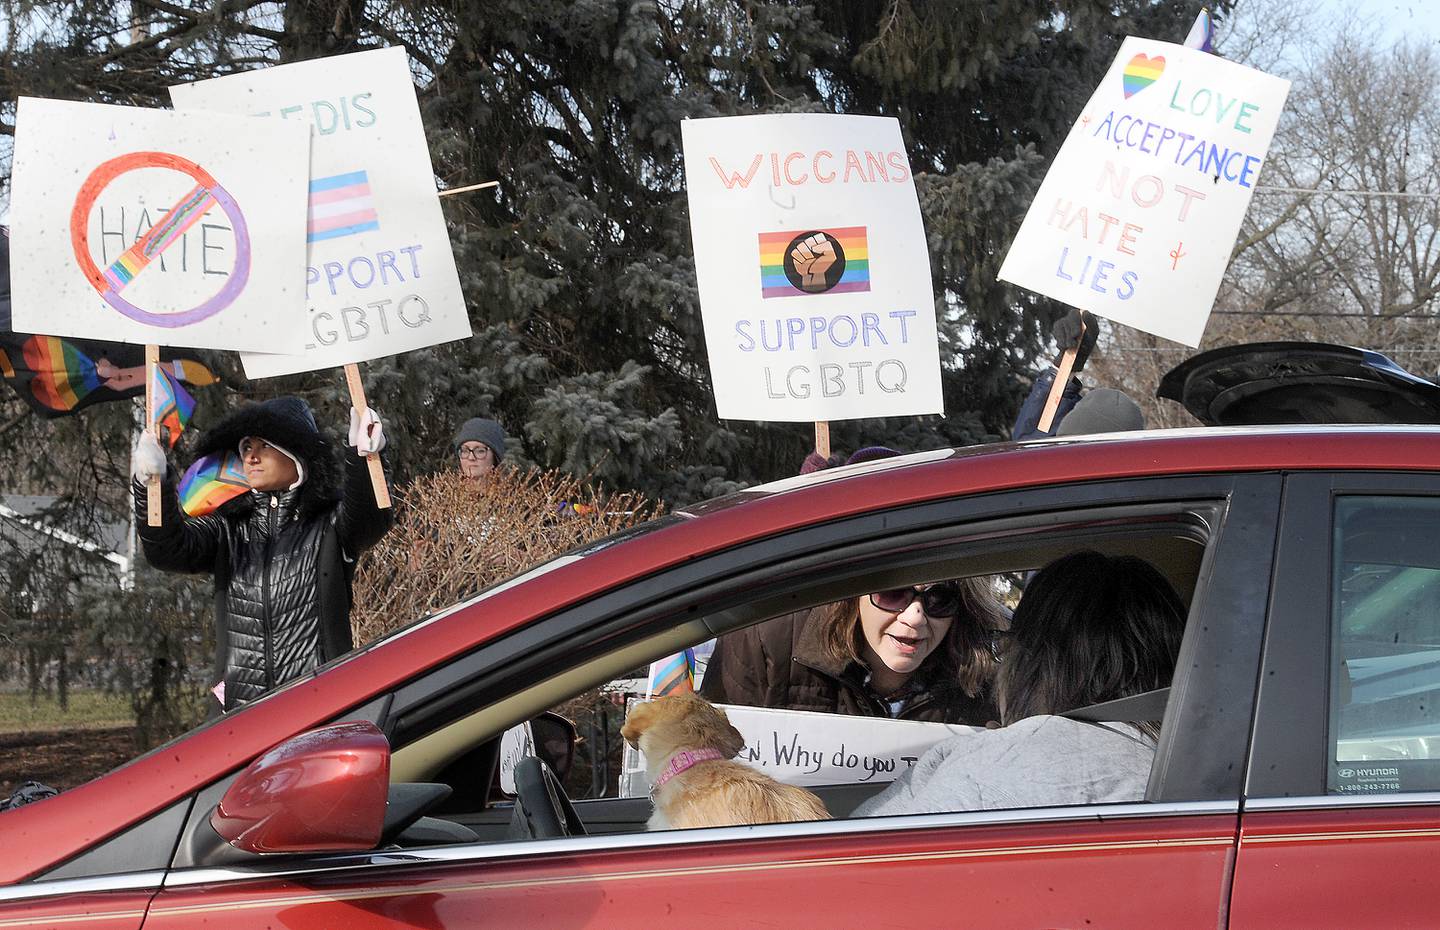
x=341, y=205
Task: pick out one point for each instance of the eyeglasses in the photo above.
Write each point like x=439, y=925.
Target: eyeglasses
x=940, y=601
x=480, y=453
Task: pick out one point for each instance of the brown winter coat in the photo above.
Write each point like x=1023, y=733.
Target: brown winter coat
x=781, y=664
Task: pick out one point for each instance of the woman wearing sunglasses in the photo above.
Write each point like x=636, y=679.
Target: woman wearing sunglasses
x=914, y=653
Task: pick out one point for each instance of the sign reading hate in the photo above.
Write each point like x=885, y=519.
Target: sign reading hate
x=812, y=266
x=380, y=276
x=149, y=226
x=1137, y=216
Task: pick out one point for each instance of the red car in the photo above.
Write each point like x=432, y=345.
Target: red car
x=1297, y=780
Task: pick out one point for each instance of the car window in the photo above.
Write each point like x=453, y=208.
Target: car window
x=1385, y=629
x=847, y=751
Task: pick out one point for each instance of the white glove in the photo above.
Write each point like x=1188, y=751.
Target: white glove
x=367, y=434
x=147, y=459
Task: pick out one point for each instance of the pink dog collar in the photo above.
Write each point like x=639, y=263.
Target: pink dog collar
x=681, y=761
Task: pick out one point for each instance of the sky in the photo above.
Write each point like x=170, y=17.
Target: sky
x=1418, y=19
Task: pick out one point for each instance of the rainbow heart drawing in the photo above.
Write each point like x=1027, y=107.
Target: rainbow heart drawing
x=1141, y=72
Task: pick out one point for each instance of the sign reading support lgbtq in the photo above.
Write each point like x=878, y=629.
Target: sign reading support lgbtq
x=155, y=227
x=812, y=265
x=1136, y=218
x=380, y=276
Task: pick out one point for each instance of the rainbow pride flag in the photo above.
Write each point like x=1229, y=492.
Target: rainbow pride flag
x=341, y=205
x=159, y=237
x=212, y=480
x=63, y=375
x=854, y=248
x=672, y=674
x=173, y=405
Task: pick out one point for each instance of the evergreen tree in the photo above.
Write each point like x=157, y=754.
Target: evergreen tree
x=578, y=271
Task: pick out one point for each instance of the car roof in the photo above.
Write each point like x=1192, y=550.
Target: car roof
x=47, y=832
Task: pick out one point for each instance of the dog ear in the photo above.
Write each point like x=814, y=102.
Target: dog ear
x=636, y=722
x=732, y=742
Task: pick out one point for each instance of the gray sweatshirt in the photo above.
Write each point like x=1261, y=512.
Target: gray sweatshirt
x=1040, y=761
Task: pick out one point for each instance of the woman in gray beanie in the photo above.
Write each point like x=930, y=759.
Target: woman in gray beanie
x=480, y=444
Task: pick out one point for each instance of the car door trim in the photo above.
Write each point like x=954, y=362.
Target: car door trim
x=450, y=855
x=125, y=881
x=1343, y=802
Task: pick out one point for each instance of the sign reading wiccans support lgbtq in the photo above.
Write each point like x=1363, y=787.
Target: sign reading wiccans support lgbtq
x=149, y=226
x=813, y=270
x=1136, y=218
x=379, y=274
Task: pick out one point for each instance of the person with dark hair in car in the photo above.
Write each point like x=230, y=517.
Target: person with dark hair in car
x=1089, y=629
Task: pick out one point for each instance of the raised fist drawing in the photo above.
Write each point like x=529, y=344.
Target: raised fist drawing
x=813, y=257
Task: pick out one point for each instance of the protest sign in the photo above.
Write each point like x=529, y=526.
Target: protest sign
x=804, y=748
x=812, y=267
x=380, y=276
x=1137, y=216
x=148, y=226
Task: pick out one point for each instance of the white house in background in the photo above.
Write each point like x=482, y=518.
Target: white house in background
x=25, y=522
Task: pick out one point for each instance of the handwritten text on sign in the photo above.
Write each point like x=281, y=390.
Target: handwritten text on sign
x=380, y=277
x=812, y=266
x=804, y=748
x=1136, y=217
x=150, y=226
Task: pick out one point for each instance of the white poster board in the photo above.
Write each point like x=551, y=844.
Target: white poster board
x=380, y=275
x=149, y=226
x=812, y=266
x=803, y=748
x=1137, y=216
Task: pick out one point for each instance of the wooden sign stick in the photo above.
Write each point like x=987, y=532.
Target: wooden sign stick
x=357, y=400
x=152, y=487
x=822, y=438
x=1062, y=378
x=473, y=187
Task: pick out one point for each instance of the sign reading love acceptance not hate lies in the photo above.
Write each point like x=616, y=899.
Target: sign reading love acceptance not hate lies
x=379, y=276
x=1137, y=216
x=149, y=226
x=812, y=266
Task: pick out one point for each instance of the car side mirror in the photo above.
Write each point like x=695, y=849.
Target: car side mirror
x=320, y=791
x=555, y=739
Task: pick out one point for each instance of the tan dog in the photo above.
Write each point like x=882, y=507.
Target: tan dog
x=688, y=745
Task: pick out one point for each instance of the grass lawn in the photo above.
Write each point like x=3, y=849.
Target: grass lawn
x=88, y=710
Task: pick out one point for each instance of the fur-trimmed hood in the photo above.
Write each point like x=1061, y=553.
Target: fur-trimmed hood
x=288, y=423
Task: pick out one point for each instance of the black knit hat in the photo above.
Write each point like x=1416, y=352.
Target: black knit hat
x=286, y=422
x=479, y=429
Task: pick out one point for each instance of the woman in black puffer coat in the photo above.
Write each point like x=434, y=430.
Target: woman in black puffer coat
x=282, y=558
